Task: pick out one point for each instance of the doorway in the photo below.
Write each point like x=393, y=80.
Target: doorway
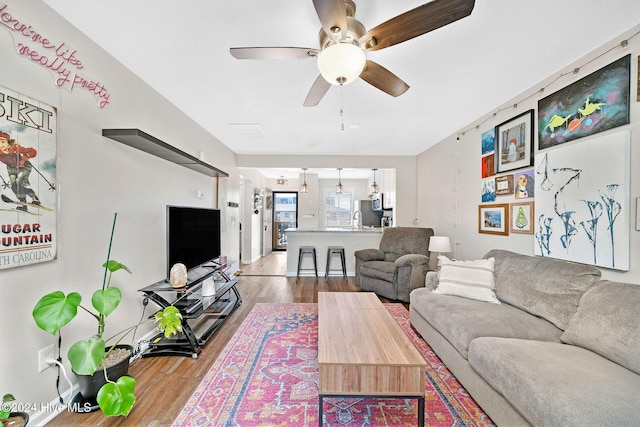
x=285, y=215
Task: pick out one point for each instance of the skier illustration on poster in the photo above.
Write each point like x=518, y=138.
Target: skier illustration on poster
x=19, y=168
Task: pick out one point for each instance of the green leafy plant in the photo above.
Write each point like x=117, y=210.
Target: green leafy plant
x=55, y=310
x=11, y=418
x=5, y=410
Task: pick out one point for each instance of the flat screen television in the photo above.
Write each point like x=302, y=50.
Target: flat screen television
x=193, y=236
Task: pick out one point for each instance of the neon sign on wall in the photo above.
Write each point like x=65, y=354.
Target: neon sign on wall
x=59, y=58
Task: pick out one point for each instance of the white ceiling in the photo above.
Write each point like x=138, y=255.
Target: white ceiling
x=457, y=74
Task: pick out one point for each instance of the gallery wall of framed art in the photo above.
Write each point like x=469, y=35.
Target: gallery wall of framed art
x=566, y=183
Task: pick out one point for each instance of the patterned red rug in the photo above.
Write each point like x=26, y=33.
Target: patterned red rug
x=267, y=375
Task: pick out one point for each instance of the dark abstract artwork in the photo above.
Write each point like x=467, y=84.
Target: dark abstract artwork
x=595, y=103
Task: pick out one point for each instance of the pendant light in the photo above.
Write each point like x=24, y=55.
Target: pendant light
x=304, y=188
x=339, y=187
x=374, y=187
x=281, y=180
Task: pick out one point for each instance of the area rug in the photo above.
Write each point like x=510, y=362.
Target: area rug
x=267, y=375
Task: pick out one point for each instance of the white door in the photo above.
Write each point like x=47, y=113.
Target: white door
x=267, y=220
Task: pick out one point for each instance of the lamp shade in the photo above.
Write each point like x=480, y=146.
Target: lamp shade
x=341, y=63
x=439, y=244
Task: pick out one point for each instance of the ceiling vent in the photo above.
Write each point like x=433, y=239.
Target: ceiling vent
x=249, y=130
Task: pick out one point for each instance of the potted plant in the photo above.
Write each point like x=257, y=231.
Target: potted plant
x=11, y=419
x=55, y=310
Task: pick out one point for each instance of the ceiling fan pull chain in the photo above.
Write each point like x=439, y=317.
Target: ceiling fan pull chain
x=341, y=109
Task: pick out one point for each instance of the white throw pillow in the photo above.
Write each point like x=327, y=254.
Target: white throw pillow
x=468, y=279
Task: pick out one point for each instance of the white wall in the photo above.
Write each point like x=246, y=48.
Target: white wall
x=449, y=181
x=97, y=177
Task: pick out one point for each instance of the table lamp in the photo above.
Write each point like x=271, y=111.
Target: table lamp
x=439, y=244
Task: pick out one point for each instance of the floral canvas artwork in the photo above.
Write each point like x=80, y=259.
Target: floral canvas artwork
x=582, y=202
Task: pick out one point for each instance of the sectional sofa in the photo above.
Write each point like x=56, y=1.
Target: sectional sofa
x=548, y=343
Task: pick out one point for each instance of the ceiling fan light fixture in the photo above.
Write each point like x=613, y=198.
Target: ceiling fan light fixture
x=341, y=63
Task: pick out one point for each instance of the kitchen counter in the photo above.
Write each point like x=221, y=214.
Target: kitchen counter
x=350, y=238
x=336, y=229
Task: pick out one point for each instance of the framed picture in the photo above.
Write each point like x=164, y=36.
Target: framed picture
x=488, y=190
x=522, y=216
x=488, y=167
x=494, y=219
x=504, y=185
x=488, y=141
x=514, y=146
x=524, y=183
x=595, y=103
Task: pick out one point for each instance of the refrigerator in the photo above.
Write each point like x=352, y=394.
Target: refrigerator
x=368, y=216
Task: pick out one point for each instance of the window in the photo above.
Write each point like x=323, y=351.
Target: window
x=337, y=208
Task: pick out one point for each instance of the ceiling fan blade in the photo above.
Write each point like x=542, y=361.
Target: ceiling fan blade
x=273, y=52
x=416, y=22
x=332, y=14
x=378, y=76
x=317, y=92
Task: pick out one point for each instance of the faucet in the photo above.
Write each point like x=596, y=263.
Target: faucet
x=357, y=221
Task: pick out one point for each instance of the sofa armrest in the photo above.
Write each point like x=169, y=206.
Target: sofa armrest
x=369, y=255
x=412, y=260
x=411, y=270
x=431, y=281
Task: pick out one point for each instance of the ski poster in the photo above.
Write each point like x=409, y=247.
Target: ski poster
x=28, y=194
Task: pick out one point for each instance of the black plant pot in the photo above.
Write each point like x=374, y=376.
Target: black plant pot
x=90, y=385
x=23, y=415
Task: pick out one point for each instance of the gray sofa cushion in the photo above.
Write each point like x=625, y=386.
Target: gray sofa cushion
x=553, y=384
x=545, y=287
x=608, y=322
x=460, y=320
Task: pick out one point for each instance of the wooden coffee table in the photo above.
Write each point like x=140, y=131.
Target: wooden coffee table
x=363, y=352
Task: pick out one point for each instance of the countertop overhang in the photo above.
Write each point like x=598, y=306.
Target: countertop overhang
x=336, y=230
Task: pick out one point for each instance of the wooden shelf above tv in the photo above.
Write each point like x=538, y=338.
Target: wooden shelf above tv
x=143, y=141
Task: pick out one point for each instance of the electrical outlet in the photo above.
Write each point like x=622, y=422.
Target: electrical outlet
x=43, y=355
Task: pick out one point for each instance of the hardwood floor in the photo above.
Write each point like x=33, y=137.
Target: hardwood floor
x=274, y=264
x=165, y=383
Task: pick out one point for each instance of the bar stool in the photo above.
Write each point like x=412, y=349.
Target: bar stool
x=332, y=250
x=311, y=250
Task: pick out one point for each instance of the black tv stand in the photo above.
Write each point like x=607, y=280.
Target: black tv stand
x=201, y=315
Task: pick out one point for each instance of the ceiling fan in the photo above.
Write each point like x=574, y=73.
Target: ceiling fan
x=344, y=42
